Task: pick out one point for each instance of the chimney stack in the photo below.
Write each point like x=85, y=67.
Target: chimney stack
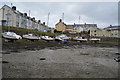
x=25, y=14
x=39, y=21
x=14, y=7
x=44, y=23
x=60, y=20
x=74, y=23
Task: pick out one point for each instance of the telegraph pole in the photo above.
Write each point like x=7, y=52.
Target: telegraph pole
x=63, y=19
x=12, y=15
x=3, y=18
x=63, y=16
x=79, y=19
x=29, y=21
x=48, y=18
x=29, y=18
x=79, y=23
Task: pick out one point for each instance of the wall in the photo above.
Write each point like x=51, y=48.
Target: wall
x=60, y=27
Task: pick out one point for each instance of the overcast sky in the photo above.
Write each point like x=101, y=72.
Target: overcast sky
x=101, y=13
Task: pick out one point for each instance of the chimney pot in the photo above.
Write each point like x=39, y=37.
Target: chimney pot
x=44, y=23
x=25, y=14
x=60, y=20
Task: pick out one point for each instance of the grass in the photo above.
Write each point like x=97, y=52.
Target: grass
x=22, y=31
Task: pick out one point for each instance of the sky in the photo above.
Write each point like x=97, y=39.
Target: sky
x=101, y=13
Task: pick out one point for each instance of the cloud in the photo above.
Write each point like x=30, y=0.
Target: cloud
x=59, y=0
x=101, y=13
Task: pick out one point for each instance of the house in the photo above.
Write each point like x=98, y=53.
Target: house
x=6, y=15
x=84, y=27
x=61, y=26
x=114, y=30
x=69, y=28
x=111, y=31
x=99, y=32
x=43, y=27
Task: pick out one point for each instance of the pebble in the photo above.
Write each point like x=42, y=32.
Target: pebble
x=96, y=65
x=87, y=73
x=5, y=62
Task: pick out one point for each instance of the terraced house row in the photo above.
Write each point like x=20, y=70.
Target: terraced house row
x=9, y=16
x=111, y=31
x=73, y=28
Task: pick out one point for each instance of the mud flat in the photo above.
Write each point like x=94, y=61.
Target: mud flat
x=66, y=61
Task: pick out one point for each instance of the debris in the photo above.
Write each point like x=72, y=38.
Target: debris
x=117, y=53
x=5, y=52
x=53, y=48
x=14, y=51
x=75, y=46
x=106, y=55
x=117, y=59
x=42, y=58
x=5, y=62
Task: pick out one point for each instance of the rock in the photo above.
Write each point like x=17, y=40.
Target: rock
x=96, y=65
x=87, y=64
x=5, y=62
x=26, y=47
x=87, y=73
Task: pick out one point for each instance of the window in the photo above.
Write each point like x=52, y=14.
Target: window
x=95, y=31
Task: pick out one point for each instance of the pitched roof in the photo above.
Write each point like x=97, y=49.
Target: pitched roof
x=82, y=25
x=114, y=26
x=60, y=22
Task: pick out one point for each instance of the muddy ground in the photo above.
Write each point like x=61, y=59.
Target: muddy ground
x=41, y=59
